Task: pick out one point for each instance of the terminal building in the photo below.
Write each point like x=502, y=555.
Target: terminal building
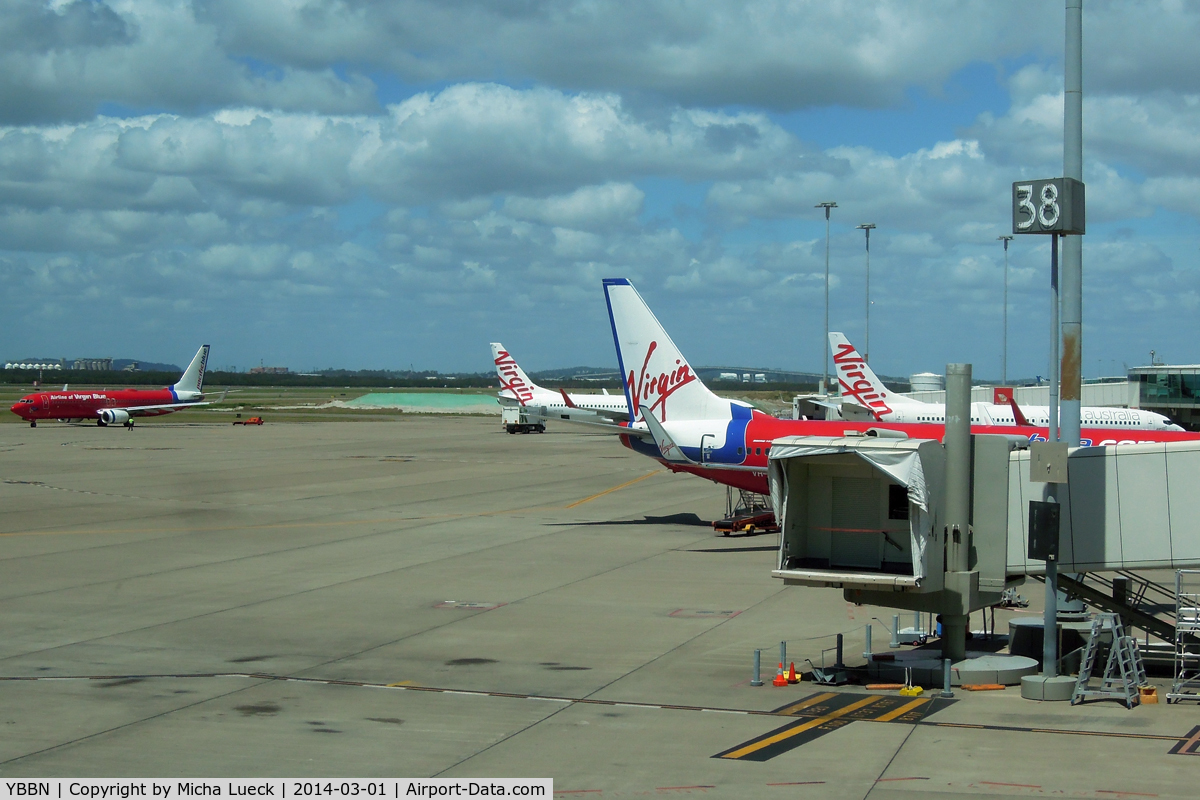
x=1170, y=390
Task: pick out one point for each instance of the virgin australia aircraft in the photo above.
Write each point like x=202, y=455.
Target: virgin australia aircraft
x=865, y=396
x=517, y=387
x=676, y=420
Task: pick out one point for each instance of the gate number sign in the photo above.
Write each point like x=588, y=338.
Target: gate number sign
x=1050, y=205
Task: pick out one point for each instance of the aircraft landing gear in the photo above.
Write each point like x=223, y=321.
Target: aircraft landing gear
x=33, y=424
x=101, y=423
x=129, y=425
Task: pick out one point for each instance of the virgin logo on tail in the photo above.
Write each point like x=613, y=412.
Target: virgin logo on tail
x=510, y=377
x=656, y=388
x=848, y=363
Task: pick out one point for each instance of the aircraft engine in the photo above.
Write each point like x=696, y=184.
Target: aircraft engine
x=114, y=416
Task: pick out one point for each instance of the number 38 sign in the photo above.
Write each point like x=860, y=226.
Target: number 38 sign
x=1052, y=205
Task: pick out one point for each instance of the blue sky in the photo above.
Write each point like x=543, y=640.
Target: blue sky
x=374, y=185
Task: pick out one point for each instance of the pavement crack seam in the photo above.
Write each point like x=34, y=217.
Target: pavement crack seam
x=888, y=765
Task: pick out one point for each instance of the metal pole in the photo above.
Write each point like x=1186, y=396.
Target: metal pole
x=946, y=679
x=957, y=441
x=1072, y=284
x=895, y=630
x=867, y=654
x=838, y=663
x=866, y=228
x=1004, y=359
x=757, y=679
x=827, y=205
x=1050, y=615
x=783, y=654
x=1052, y=433
x=958, y=465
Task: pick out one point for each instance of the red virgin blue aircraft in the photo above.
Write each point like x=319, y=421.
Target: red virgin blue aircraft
x=117, y=405
x=680, y=423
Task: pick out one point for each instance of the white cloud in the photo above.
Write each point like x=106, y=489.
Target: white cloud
x=586, y=208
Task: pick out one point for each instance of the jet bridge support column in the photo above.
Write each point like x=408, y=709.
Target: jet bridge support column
x=961, y=583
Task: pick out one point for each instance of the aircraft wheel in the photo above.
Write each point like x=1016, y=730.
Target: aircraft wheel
x=33, y=424
x=101, y=423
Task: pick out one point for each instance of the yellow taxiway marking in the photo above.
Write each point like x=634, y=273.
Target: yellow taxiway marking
x=401, y=683
x=812, y=701
x=613, y=489
x=904, y=709
x=790, y=732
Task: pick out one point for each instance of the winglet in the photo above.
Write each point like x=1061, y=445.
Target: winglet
x=666, y=445
x=567, y=399
x=1002, y=395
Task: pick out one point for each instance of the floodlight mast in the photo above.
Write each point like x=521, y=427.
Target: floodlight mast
x=866, y=228
x=1004, y=357
x=1072, y=246
x=827, y=205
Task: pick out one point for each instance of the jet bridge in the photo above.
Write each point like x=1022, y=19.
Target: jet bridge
x=866, y=515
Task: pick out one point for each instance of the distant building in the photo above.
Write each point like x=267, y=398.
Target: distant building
x=35, y=363
x=94, y=364
x=927, y=382
x=261, y=370
x=1170, y=390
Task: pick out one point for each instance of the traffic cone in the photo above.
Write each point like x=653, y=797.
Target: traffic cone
x=780, y=678
x=791, y=676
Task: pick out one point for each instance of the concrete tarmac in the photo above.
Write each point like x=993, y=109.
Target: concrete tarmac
x=431, y=597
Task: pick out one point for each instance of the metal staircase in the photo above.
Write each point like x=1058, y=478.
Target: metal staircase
x=1123, y=673
x=1137, y=600
x=1187, y=637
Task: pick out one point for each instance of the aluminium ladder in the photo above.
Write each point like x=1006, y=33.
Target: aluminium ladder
x=1123, y=673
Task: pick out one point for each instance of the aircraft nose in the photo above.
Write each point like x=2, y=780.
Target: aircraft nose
x=17, y=408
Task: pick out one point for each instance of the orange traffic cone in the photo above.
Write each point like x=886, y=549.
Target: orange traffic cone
x=791, y=676
x=780, y=678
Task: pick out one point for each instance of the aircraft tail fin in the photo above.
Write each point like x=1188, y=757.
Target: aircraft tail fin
x=859, y=381
x=512, y=377
x=192, y=379
x=1005, y=396
x=655, y=374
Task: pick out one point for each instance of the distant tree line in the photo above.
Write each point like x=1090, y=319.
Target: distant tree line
x=355, y=378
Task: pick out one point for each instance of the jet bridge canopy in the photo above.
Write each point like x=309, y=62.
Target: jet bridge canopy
x=856, y=511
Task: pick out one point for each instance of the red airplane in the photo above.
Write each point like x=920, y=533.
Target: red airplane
x=677, y=421
x=118, y=405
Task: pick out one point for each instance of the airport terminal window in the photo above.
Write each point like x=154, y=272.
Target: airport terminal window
x=897, y=502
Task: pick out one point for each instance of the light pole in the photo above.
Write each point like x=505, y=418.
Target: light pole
x=1004, y=360
x=827, y=205
x=866, y=228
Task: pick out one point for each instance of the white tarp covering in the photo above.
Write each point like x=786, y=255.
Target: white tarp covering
x=898, y=458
